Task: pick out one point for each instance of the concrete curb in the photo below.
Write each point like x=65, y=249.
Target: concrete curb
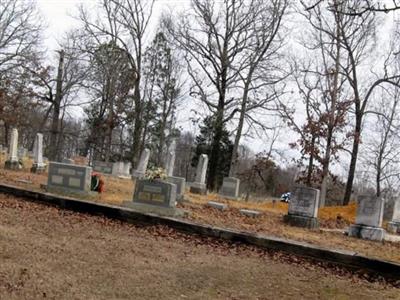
x=347, y=259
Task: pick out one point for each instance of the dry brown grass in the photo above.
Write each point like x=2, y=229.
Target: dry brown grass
x=50, y=253
x=118, y=190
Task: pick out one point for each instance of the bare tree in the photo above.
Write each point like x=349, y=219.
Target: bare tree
x=20, y=31
x=124, y=22
x=215, y=37
x=260, y=73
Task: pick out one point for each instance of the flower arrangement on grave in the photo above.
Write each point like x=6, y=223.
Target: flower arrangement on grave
x=156, y=174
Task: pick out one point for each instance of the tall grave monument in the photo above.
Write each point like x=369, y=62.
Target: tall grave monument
x=199, y=186
x=180, y=182
x=12, y=159
x=369, y=218
x=303, y=208
x=38, y=165
x=142, y=165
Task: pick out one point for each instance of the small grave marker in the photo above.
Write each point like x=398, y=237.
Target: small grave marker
x=217, y=205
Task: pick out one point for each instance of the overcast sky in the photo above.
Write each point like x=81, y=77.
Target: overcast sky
x=57, y=14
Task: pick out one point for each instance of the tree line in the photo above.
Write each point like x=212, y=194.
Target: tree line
x=316, y=74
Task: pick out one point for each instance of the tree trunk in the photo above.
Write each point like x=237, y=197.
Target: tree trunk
x=353, y=161
x=310, y=163
x=137, y=130
x=56, y=110
x=215, y=148
x=235, y=154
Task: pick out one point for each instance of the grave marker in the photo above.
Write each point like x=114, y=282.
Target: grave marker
x=103, y=167
x=230, y=188
x=69, y=178
x=369, y=218
x=142, y=165
x=12, y=160
x=394, y=224
x=154, y=196
x=199, y=186
x=38, y=165
x=303, y=208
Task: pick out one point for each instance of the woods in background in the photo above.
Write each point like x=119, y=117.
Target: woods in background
x=317, y=82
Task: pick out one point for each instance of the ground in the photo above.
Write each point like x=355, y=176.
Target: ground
x=47, y=252
x=333, y=220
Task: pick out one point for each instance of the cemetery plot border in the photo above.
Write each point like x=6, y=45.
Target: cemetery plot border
x=346, y=259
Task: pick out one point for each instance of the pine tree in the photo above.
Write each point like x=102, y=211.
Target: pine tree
x=203, y=145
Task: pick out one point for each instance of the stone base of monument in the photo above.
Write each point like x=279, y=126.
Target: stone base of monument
x=11, y=165
x=198, y=188
x=155, y=209
x=301, y=221
x=393, y=227
x=367, y=232
x=38, y=168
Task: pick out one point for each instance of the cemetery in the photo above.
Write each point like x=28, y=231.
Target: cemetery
x=268, y=217
x=199, y=149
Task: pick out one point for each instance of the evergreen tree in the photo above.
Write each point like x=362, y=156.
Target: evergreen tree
x=203, y=145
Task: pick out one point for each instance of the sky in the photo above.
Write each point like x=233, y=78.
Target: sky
x=58, y=16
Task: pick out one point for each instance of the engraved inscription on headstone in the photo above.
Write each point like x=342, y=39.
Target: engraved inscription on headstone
x=155, y=192
x=69, y=178
x=304, y=202
x=370, y=211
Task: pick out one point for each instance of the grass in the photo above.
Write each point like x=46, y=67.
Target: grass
x=49, y=253
x=270, y=223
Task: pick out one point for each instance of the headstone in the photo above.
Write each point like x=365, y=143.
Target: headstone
x=68, y=161
x=170, y=163
x=394, y=224
x=369, y=218
x=38, y=164
x=12, y=160
x=217, y=205
x=126, y=170
x=230, y=188
x=199, y=186
x=22, y=152
x=154, y=196
x=250, y=213
x=117, y=168
x=180, y=183
x=69, y=178
x=303, y=208
x=103, y=167
x=142, y=165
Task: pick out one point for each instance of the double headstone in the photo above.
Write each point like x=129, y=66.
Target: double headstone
x=103, y=167
x=69, y=178
x=38, y=164
x=154, y=196
x=199, y=186
x=142, y=165
x=369, y=218
x=230, y=188
x=12, y=159
x=303, y=208
x=394, y=224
